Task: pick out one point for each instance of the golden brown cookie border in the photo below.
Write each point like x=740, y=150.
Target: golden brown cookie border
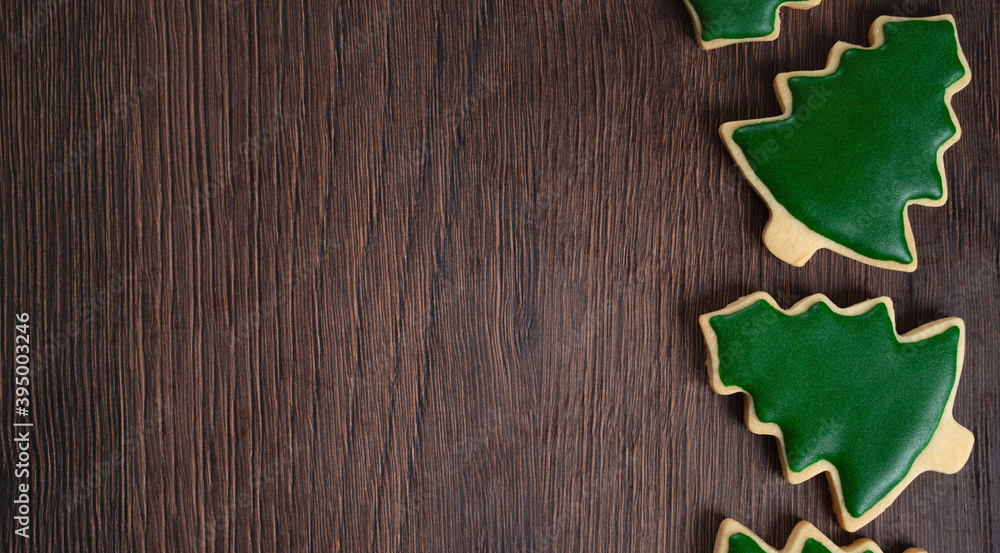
x=803, y=532
x=788, y=238
x=950, y=445
x=720, y=42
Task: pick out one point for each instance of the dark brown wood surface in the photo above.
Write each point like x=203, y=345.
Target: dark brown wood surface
x=419, y=276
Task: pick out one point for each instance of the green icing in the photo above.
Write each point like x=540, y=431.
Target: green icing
x=813, y=546
x=863, y=141
x=742, y=543
x=841, y=388
x=736, y=19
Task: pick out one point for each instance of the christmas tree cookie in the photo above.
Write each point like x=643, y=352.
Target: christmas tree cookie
x=723, y=22
x=857, y=144
x=844, y=394
x=733, y=537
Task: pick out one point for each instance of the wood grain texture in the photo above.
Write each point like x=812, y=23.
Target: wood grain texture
x=416, y=276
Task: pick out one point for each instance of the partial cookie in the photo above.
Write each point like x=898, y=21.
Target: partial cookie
x=733, y=537
x=844, y=394
x=858, y=142
x=723, y=22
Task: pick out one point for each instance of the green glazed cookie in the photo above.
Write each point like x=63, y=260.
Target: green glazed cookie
x=844, y=394
x=733, y=537
x=857, y=144
x=723, y=22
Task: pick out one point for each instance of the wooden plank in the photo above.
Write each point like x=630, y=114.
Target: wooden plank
x=404, y=276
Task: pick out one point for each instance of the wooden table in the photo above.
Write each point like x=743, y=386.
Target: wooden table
x=412, y=276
